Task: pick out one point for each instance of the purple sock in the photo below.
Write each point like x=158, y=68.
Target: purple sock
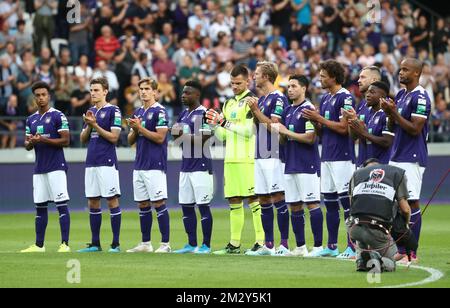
x=298, y=226
x=267, y=221
x=163, y=222
x=95, y=219
x=207, y=223
x=283, y=221
x=416, y=221
x=64, y=222
x=190, y=223
x=316, y=219
x=116, y=221
x=333, y=219
x=345, y=202
x=41, y=223
x=146, y=219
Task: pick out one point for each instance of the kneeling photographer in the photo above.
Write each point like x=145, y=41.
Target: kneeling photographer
x=378, y=193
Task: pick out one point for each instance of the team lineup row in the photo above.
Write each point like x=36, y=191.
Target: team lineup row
x=294, y=173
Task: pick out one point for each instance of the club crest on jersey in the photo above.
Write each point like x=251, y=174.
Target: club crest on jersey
x=150, y=115
x=376, y=176
x=377, y=119
x=241, y=103
x=47, y=120
x=102, y=115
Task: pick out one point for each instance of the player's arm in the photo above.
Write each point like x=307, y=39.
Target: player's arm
x=219, y=120
x=61, y=142
x=85, y=134
x=112, y=136
x=384, y=141
x=402, y=196
x=413, y=127
x=260, y=117
x=157, y=137
x=340, y=127
x=132, y=137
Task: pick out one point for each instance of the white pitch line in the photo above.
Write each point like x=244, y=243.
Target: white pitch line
x=435, y=276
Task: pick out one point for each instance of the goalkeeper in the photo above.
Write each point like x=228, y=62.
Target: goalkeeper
x=235, y=126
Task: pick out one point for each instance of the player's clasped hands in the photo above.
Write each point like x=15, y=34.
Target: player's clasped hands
x=89, y=118
x=312, y=115
x=388, y=105
x=134, y=123
x=34, y=139
x=279, y=128
x=349, y=114
x=252, y=102
x=213, y=117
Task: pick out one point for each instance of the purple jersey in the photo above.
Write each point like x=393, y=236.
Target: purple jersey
x=300, y=157
x=272, y=105
x=150, y=155
x=376, y=126
x=407, y=148
x=48, y=125
x=100, y=151
x=196, y=157
x=363, y=113
x=336, y=147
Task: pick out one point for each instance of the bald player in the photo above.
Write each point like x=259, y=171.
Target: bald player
x=407, y=119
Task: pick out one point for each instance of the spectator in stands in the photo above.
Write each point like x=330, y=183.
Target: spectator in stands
x=44, y=24
x=164, y=65
x=180, y=18
x=142, y=67
x=8, y=128
x=24, y=39
x=441, y=120
x=162, y=16
x=7, y=79
x=367, y=58
x=45, y=74
x=106, y=45
x=278, y=38
x=103, y=71
x=199, y=19
x=428, y=82
x=188, y=71
x=242, y=46
x=27, y=76
x=9, y=10
x=205, y=49
x=208, y=78
x=440, y=37
x=132, y=96
x=178, y=56
x=80, y=98
x=83, y=69
x=63, y=90
x=388, y=24
x=313, y=41
x=167, y=39
x=420, y=36
x=167, y=96
x=79, y=35
x=65, y=58
x=223, y=51
x=441, y=73
x=400, y=42
x=218, y=26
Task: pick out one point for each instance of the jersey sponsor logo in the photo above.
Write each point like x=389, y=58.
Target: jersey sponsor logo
x=117, y=121
x=421, y=109
x=327, y=115
x=40, y=129
x=309, y=126
x=28, y=130
x=362, y=117
x=422, y=101
x=376, y=175
x=233, y=115
x=373, y=188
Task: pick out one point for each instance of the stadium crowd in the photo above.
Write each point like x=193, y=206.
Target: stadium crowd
x=174, y=41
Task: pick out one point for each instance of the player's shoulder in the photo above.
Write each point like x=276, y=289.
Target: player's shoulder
x=112, y=107
x=400, y=93
x=158, y=107
x=344, y=94
x=421, y=94
x=308, y=105
x=32, y=116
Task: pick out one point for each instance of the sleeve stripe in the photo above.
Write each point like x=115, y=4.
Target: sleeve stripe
x=385, y=132
x=275, y=115
x=63, y=130
x=165, y=126
x=116, y=128
x=419, y=115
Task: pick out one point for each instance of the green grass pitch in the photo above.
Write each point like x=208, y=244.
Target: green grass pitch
x=185, y=271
